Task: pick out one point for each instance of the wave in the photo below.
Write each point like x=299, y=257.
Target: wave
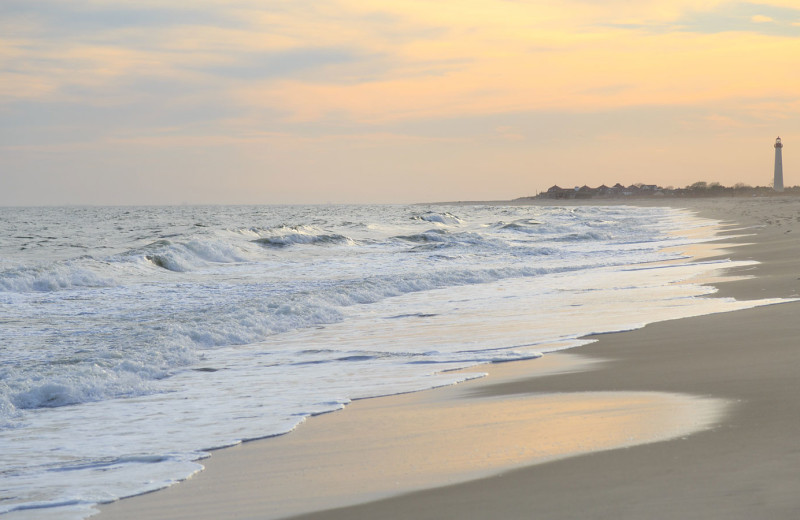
x=373, y=289
x=286, y=236
x=587, y=236
x=57, y=277
x=289, y=240
x=522, y=225
x=157, y=347
x=187, y=256
x=83, y=272
x=184, y=256
x=431, y=235
x=445, y=218
x=436, y=238
x=76, y=390
x=92, y=375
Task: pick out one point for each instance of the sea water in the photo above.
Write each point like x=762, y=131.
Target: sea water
x=133, y=339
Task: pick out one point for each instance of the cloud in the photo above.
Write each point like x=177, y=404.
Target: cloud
x=771, y=19
x=260, y=79
x=388, y=60
x=331, y=60
x=767, y=19
x=82, y=16
x=306, y=63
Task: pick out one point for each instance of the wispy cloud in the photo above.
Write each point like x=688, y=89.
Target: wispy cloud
x=766, y=19
x=309, y=64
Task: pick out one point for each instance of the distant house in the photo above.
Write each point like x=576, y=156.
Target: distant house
x=557, y=192
x=614, y=192
x=629, y=191
x=639, y=190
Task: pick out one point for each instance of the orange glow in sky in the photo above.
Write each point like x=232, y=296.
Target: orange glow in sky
x=245, y=101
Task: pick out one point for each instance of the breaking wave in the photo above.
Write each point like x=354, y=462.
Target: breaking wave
x=56, y=277
x=439, y=218
x=185, y=256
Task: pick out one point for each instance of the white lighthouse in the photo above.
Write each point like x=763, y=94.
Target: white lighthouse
x=777, y=184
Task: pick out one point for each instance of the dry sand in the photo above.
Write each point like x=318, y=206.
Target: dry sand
x=608, y=403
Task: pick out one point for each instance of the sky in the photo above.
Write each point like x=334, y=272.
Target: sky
x=344, y=101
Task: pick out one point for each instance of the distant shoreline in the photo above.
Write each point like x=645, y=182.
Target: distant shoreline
x=653, y=191
x=649, y=199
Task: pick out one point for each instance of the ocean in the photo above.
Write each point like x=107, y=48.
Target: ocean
x=135, y=339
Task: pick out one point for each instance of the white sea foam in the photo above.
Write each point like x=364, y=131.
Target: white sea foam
x=207, y=326
x=56, y=277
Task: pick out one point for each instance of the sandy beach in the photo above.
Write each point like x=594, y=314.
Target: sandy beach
x=691, y=418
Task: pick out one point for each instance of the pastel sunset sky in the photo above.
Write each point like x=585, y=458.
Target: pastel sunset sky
x=343, y=101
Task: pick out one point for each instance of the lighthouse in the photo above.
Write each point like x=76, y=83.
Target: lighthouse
x=777, y=184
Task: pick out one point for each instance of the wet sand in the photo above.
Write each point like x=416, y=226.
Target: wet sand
x=724, y=385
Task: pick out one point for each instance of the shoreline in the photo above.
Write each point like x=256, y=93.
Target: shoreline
x=619, y=360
